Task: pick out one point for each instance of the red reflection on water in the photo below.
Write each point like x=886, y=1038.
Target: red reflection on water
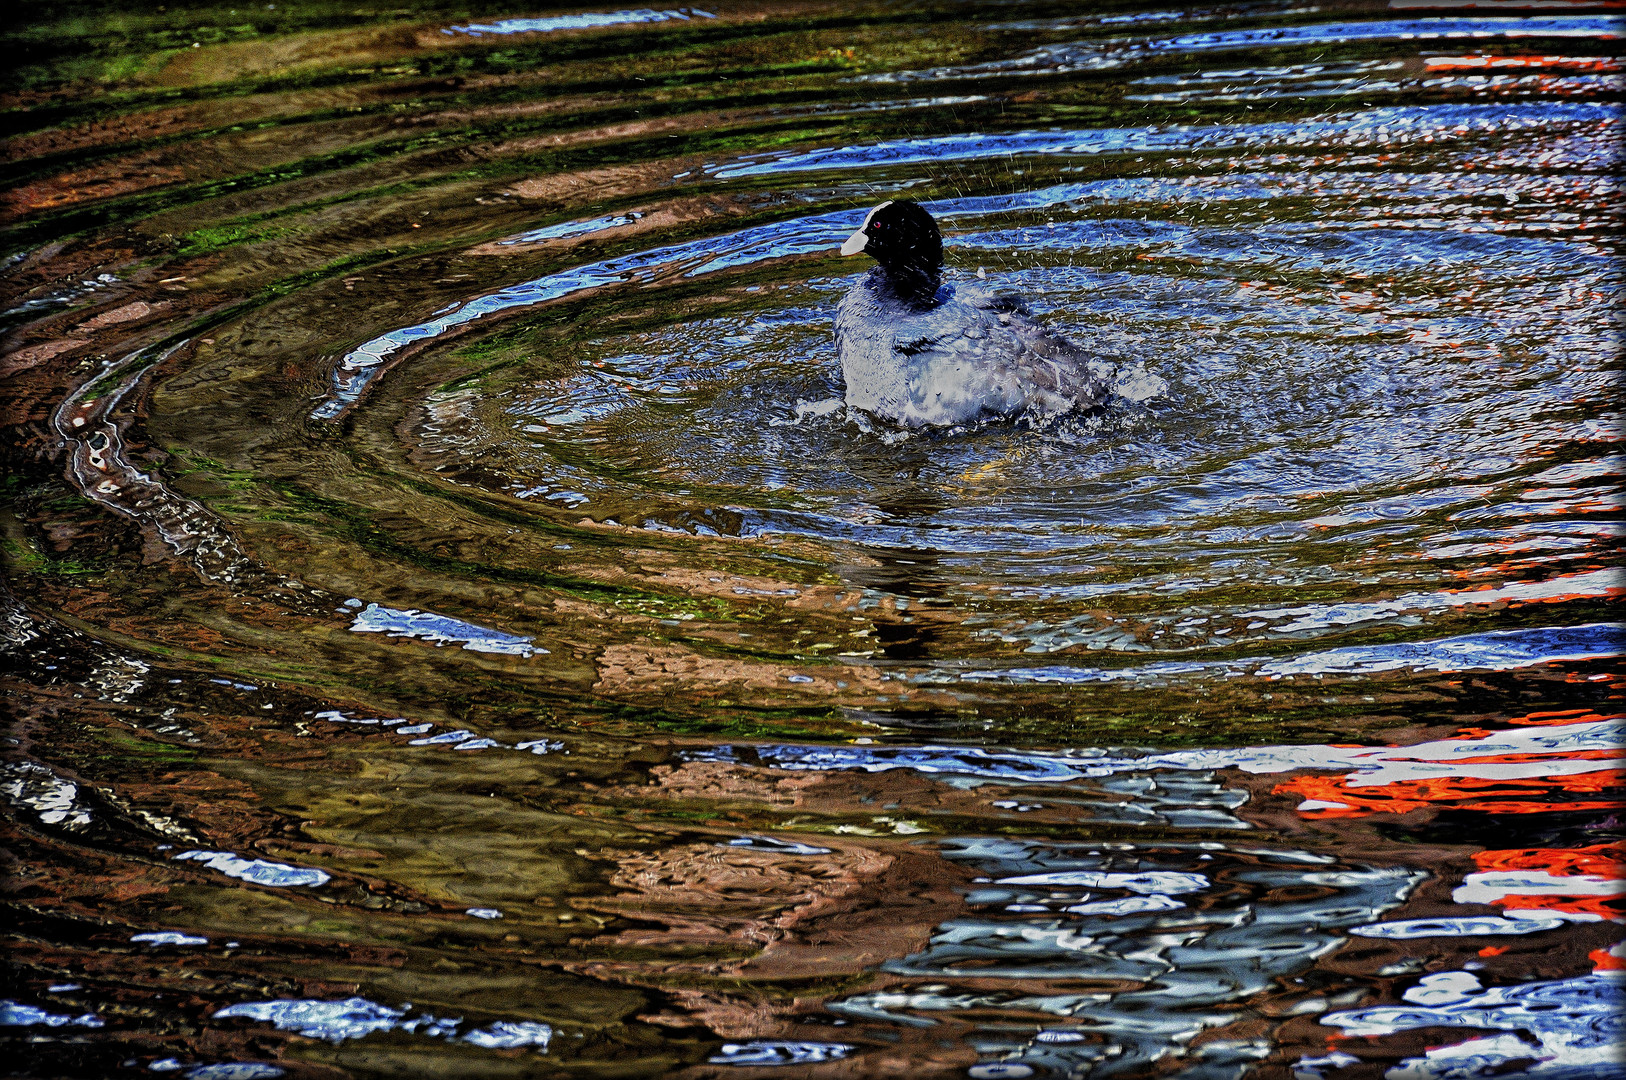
x=1602, y=906
x=1600, y=861
x=1566, y=716
x=1512, y=796
x=1607, y=860
x=1486, y=62
x=1344, y=796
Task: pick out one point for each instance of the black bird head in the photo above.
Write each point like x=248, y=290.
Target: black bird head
x=905, y=240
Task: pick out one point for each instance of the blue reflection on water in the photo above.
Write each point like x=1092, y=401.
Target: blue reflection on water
x=1388, y=127
x=1393, y=126
x=15, y=1014
x=779, y=1052
x=233, y=1070
x=357, y=1017
x=1496, y=650
x=1577, y=1025
x=257, y=871
x=586, y=21
x=572, y=228
x=1518, y=921
x=1154, y=975
x=1104, y=55
x=441, y=630
x=1541, y=751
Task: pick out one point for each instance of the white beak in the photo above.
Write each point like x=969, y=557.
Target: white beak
x=855, y=243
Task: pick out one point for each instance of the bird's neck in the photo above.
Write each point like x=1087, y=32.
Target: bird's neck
x=915, y=284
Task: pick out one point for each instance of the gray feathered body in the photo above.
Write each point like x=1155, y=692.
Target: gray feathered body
x=968, y=356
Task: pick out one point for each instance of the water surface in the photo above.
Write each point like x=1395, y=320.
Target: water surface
x=459, y=630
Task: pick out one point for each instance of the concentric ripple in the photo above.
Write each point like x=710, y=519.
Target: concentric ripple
x=1287, y=386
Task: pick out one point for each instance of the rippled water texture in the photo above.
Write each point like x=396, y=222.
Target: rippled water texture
x=457, y=629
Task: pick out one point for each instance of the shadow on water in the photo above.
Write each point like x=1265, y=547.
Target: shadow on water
x=456, y=627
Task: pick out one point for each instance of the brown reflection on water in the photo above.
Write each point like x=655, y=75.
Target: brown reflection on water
x=639, y=893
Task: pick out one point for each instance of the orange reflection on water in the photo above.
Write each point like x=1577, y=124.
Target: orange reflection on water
x=1344, y=796
x=1608, y=860
x=1565, y=716
x=1522, y=795
x=1601, y=64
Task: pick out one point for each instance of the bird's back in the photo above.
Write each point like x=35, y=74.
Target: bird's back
x=970, y=355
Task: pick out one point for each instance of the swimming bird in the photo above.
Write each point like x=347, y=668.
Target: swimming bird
x=918, y=352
